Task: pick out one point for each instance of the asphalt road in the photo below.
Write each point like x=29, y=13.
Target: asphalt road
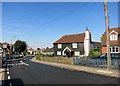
x=24, y=72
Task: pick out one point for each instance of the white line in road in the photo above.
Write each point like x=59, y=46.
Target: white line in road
x=8, y=77
x=7, y=69
x=8, y=73
x=24, y=63
x=10, y=84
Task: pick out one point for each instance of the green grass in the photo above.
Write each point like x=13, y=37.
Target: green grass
x=47, y=58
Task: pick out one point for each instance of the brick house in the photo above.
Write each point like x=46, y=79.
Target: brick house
x=75, y=44
x=114, y=35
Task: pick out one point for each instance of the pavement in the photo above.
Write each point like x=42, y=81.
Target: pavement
x=100, y=71
x=2, y=70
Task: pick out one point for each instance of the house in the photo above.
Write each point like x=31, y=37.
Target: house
x=30, y=51
x=74, y=44
x=1, y=49
x=114, y=36
x=48, y=51
x=7, y=47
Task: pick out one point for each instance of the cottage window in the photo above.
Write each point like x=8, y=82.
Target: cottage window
x=114, y=49
x=113, y=37
x=58, y=52
x=74, y=45
x=77, y=53
x=59, y=46
x=110, y=49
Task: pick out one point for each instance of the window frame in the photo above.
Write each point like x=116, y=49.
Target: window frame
x=59, y=53
x=59, y=46
x=77, y=52
x=113, y=37
x=74, y=45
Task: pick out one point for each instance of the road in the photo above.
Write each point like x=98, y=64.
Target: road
x=24, y=72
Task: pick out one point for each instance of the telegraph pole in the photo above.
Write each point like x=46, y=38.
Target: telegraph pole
x=107, y=35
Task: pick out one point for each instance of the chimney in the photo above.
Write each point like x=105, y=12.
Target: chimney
x=87, y=42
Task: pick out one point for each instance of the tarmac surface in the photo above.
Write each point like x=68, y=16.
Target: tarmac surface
x=100, y=71
x=29, y=71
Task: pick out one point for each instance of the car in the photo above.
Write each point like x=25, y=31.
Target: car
x=15, y=55
x=4, y=60
x=0, y=62
x=113, y=56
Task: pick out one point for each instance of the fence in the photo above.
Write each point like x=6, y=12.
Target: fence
x=102, y=63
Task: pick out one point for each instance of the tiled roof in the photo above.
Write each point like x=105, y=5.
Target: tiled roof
x=30, y=49
x=5, y=43
x=113, y=42
x=73, y=38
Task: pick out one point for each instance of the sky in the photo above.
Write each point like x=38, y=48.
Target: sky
x=40, y=24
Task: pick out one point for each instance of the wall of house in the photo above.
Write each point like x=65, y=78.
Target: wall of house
x=119, y=39
x=80, y=48
x=104, y=50
x=91, y=47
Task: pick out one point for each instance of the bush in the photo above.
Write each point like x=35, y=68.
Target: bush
x=38, y=56
x=94, y=54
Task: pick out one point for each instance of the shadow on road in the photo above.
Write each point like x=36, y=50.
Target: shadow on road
x=13, y=82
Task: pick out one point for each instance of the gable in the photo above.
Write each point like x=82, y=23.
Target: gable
x=113, y=32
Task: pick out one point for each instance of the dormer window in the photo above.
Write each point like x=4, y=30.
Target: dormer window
x=113, y=37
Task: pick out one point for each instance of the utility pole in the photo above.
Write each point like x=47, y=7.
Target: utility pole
x=107, y=35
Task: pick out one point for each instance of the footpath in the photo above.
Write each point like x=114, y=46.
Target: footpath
x=100, y=71
x=2, y=71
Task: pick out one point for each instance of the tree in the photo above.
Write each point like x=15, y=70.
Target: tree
x=101, y=39
x=20, y=46
x=38, y=48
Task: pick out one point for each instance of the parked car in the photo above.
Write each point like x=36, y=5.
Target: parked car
x=4, y=60
x=0, y=62
x=104, y=56
x=15, y=55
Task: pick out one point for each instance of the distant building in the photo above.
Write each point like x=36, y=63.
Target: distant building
x=7, y=47
x=75, y=44
x=30, y=51
x=114, y=35
x=1, y=49
x=48, y=51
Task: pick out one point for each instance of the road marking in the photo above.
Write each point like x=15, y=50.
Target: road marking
x=8, y=73
x=8, y=77
x=24, y=63
x=10, y=84
x=10, y=65
x=7, y=69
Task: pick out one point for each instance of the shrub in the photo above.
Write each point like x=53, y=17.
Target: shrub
x=94, y=54
x=38, y=56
